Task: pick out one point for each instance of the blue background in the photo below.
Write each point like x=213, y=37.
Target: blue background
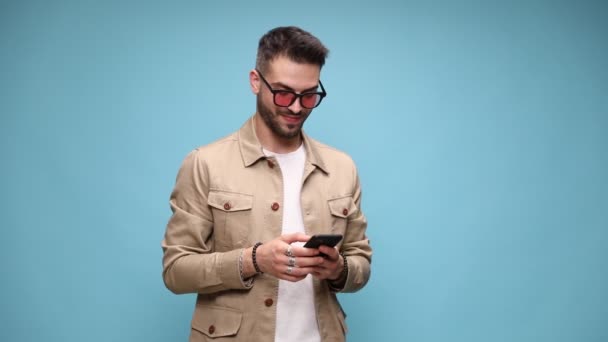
x=480, y=130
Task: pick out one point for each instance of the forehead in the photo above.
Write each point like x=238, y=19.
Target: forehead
x=297, y=76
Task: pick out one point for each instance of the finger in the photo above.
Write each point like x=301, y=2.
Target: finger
x=307, y=261
x=322, y=273
x=331, y=252
x=295, y=237
x=304, y=251
x=291, y=262
x=292, y=273
x=290, y=278
x=289, y=251
x=328, y=264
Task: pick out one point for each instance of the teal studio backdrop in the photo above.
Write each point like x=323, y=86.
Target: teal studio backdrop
x=480, y=130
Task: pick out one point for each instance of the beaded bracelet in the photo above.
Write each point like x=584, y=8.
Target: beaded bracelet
x=255, y=262
x=344, y=273
x=338, y=284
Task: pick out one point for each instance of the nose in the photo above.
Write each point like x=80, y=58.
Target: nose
x=296, y=107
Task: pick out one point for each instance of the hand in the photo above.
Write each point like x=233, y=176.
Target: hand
x=282, y=260
x=331, y=266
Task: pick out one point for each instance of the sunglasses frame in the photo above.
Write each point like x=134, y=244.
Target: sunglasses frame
x=296, y=96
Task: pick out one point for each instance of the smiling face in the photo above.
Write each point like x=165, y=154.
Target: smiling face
x=280, y=127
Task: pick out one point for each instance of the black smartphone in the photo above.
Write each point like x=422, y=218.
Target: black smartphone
x=317, y=240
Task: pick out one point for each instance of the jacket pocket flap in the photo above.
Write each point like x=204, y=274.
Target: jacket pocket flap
x=342, y=207
x=229, y=201
x=217, y=321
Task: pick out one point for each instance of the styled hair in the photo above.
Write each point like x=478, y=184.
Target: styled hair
x=292, y=42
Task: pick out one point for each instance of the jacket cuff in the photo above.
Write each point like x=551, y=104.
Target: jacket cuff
x=230, y=274
x=358, y=274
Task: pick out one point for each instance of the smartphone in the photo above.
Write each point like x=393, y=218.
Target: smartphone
x=317, y=240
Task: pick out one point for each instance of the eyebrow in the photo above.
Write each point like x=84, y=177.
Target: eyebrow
x=286, y=87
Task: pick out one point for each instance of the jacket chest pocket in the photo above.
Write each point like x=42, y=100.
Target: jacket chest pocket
x=341, y=209
x=231, y=218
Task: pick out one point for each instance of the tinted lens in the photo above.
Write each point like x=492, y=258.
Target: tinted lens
x=310, y=100
x=283, y=98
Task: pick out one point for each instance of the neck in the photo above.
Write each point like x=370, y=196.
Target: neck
x=271, y=141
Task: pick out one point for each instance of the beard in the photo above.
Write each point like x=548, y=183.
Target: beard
x=271, y=119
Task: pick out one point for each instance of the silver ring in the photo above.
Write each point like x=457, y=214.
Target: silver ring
x=289, y=269
x=291, y=262
x=288, y=252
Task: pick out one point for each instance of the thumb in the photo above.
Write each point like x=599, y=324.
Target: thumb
x=295, y=237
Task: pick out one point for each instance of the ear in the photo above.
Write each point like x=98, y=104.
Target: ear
x=254, y=81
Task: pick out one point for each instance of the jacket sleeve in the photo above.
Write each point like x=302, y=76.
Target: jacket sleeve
x=190, y=264
x=356, y=245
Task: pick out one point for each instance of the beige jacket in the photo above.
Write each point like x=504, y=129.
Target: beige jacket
x=225, y=199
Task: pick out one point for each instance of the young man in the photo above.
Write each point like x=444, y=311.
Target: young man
x=244, y=205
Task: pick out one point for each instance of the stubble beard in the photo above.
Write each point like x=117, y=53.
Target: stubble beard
x=271, y=120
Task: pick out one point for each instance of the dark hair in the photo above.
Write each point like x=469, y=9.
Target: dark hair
x=292, y=42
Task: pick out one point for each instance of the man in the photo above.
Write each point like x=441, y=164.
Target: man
x=244, y=205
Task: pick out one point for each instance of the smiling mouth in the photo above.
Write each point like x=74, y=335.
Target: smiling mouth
x=292, y=118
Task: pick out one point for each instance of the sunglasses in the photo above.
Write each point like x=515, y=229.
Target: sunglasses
x=285, y=98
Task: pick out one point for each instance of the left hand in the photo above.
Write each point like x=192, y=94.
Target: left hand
x=331, y=266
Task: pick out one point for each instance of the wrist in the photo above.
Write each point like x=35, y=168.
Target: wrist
x=248, y=269
x=338, y=284
x=343, y=270
x=254, y=258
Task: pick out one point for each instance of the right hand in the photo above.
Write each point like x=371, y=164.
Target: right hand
x=272, y=258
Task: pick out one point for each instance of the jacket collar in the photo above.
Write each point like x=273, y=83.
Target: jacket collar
x=251, y=148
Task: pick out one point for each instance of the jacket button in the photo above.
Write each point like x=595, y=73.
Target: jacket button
x=275, y=206
x=227, y=206
x=270, y=163
x=211, y=329
x=345, y=212
x=268, y=302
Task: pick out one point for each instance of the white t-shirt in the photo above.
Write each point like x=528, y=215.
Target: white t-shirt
x=296, y=315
